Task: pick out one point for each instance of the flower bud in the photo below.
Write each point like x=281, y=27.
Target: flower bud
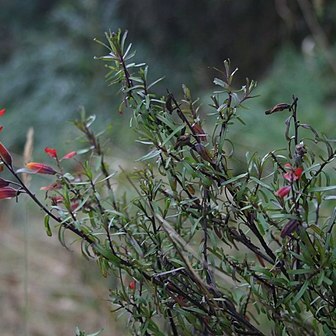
x=41, y=168
x=51, y=152
x=8, y=192
x=290, y=227
x=283, y=191
x=4, y=154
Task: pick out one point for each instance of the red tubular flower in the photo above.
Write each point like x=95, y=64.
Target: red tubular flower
x=298, y=172
x=56, y=200
x=283, y=191
x=132, y=285
x=181, y=300
x=197, y=128
x=41, y=168
x=2, y=112
x=69, y=155
x=293, y=174
x=289, y=228
x=8, y=192
x=4, y=183
x=51, y=152
x=278, y=108
x=203, y=152
x=290, y=176
x=4, y=154
x=74, y=205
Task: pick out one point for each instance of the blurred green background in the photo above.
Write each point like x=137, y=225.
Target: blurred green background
x=48, y=71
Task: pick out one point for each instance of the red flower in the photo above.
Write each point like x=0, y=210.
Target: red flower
x=69, y=155
x=283, y=191
x=293, y=174
x=74, y=205
x=198, y=130
x=2, y=112
x=8, y=192
x=181, y=300
x=4, y=154
x=41, y=168
x=4, y=183
x=203, y=152
x=132, y=285
x=56, y=200
x=51, y=152
x=289, y=228
x=278, y=108
x=298, y=172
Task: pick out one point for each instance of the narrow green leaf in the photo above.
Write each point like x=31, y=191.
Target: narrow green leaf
x=300, y=271
x=263, y=184
x=221, y=83
x=47, y=225
x=96, y=333
x=307, y=243
x=234, y=179
x=321, y=189
x=155, y=82
x=152, y=154
x=300, y=292
x=178, y=129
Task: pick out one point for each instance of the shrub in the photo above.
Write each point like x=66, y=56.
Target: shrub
x=196, y=248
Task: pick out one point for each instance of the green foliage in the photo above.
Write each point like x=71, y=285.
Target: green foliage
x=310, y=78
x=83, y=333
x=196, y=248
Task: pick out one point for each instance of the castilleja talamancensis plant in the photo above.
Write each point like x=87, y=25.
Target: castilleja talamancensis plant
x=197, y=249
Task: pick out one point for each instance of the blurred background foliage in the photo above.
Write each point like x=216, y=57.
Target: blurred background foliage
x=48, y=71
